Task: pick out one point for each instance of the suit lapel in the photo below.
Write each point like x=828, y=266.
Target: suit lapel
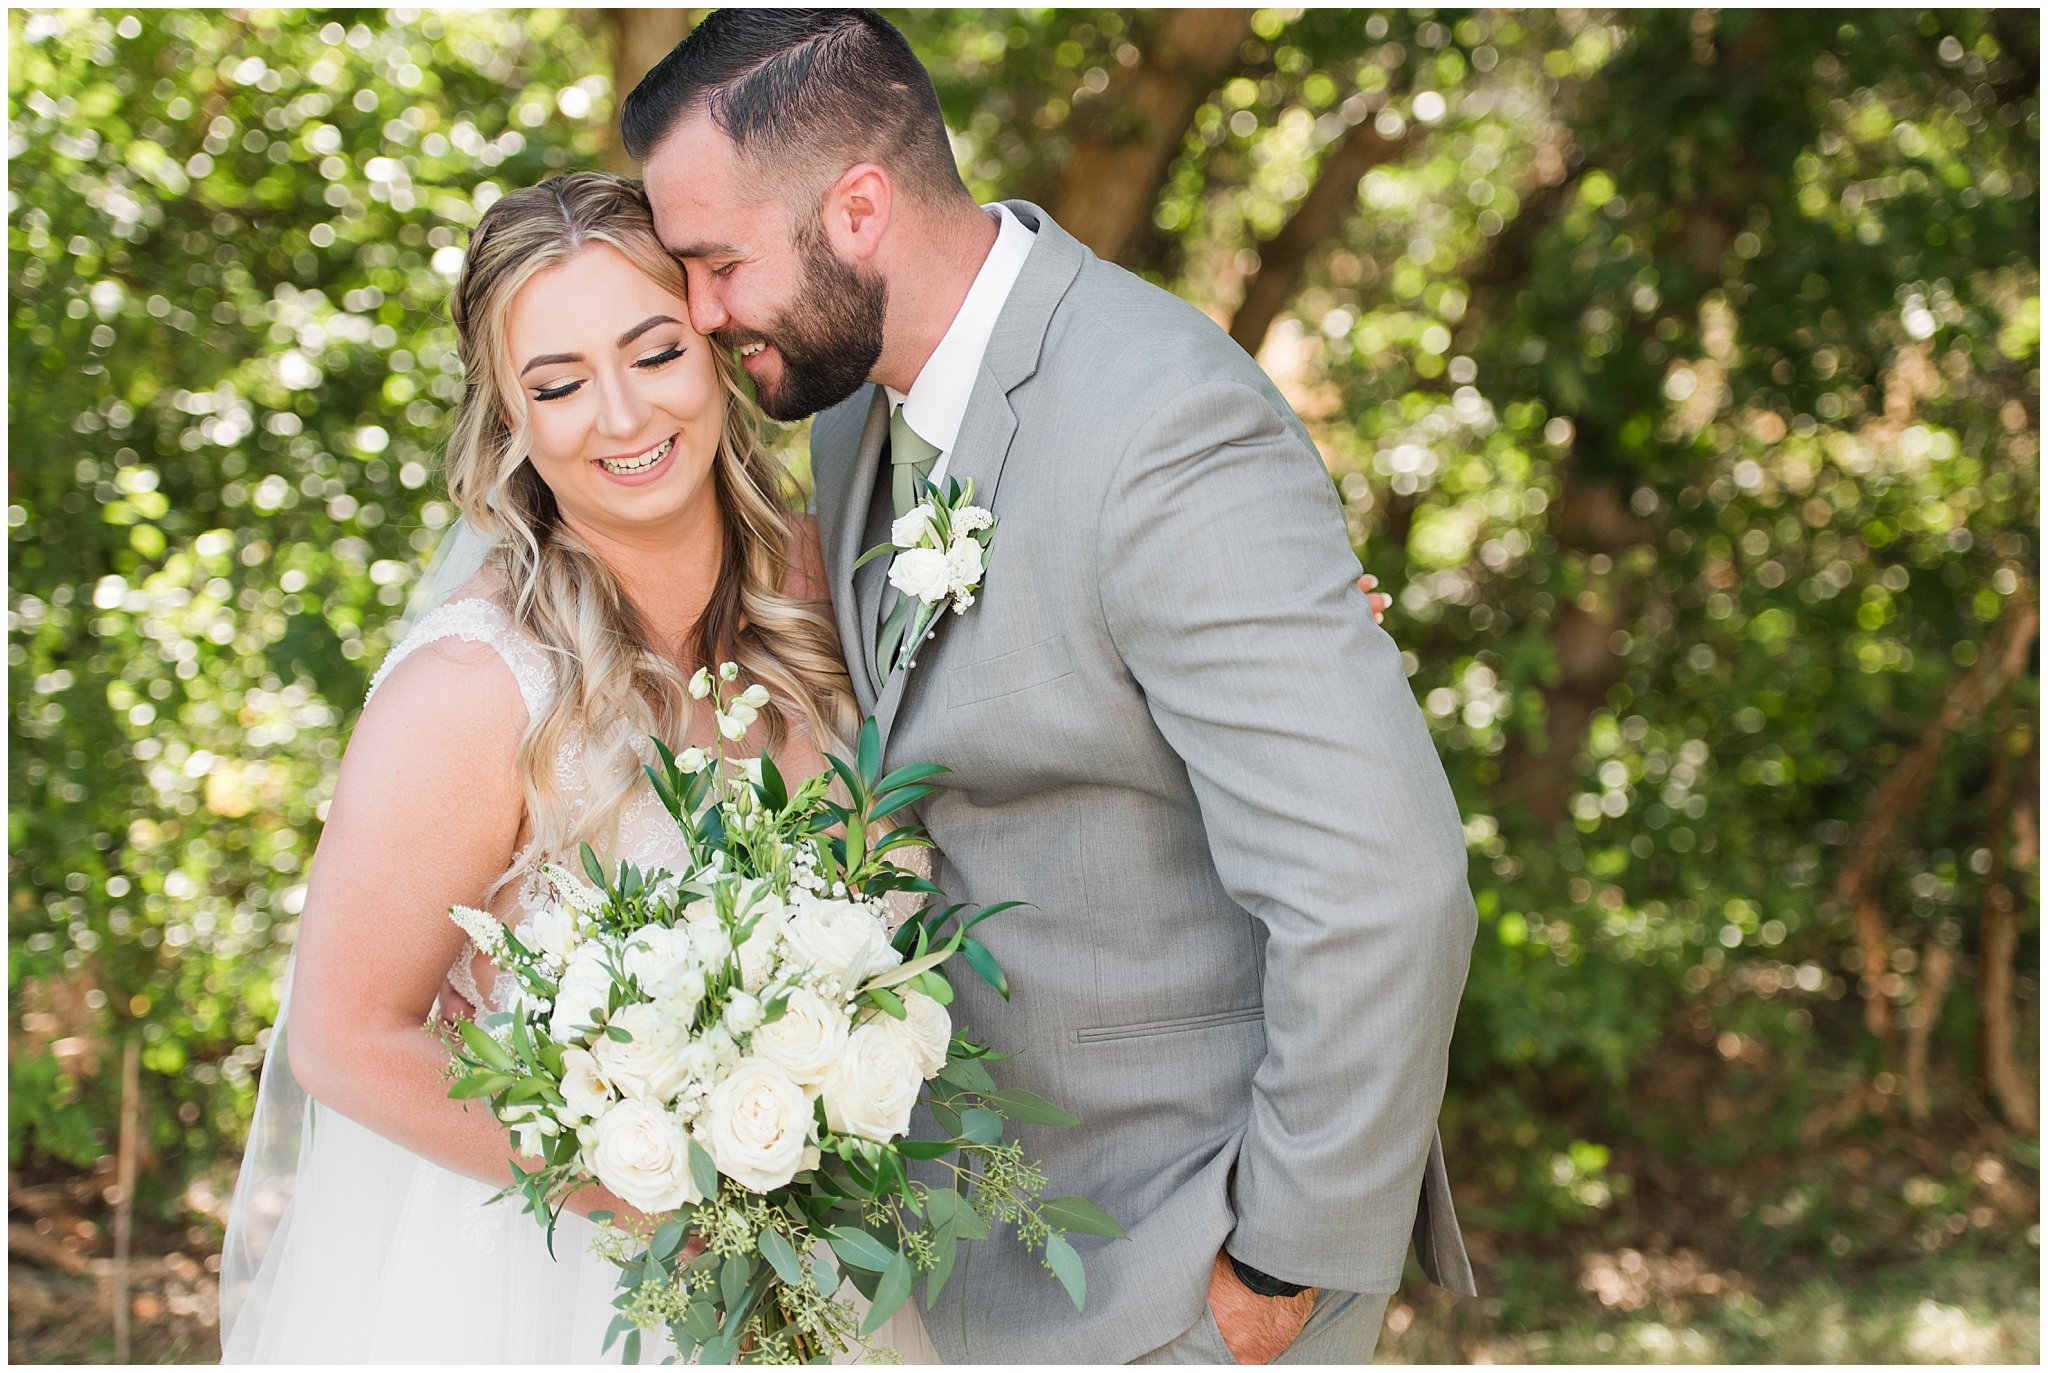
x=856, y=636
x=989, y=427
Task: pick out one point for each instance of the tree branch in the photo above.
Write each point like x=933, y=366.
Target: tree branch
x=2007, y=655
x=1111, y=179
x=1284, y=257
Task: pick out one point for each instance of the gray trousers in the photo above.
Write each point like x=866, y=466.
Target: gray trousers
x=1344, y=1327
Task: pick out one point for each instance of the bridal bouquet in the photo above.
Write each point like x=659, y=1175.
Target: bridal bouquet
x=737, y=1049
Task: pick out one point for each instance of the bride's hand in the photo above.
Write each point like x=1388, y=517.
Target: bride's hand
x=1380, y=601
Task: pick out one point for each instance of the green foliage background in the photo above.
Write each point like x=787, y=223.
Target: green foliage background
x=1680, y=369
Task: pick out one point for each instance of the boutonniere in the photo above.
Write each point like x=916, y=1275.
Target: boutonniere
x=941, y=549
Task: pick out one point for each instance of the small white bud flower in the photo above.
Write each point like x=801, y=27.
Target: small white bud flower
x=754, y=697
x=742, y=1013
x=729, y=726
x=691, y=760
x=728, y=671
x=700, y=685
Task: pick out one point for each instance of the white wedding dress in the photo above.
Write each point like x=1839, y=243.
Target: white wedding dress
x=344, y=1247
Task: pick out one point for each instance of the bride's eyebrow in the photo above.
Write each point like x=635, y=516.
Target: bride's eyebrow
x=651, y=322
x=550, y=359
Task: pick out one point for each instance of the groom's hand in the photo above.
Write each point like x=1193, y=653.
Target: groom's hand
x=1255, y=1328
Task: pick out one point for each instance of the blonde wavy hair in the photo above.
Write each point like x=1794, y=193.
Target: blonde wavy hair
x=612, y=686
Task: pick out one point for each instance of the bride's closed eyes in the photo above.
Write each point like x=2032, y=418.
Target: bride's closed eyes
x=651, y=363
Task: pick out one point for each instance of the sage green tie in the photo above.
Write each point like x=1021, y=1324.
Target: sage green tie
x=908, y=453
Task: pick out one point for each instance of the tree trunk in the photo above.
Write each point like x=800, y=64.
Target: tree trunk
x=640, y=38
x=1284, y=257
x=1591, y=517
x=1937, y=965
x=1997, y=938
x=1125, y=144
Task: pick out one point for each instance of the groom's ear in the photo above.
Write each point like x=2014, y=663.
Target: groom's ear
x=858, y=207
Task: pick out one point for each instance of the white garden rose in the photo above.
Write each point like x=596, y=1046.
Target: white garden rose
x=872, y=1087
x=585, y=987
x=927, y=1028
x=649, y=1066
x=963, y=564
x=921, y=572
x=837, y=937
x=661, y=959
x=644, y=1157
x=806, y=1041
x=583, y=1085
x=912, y=525
x=550, y=932
x=757, y=1126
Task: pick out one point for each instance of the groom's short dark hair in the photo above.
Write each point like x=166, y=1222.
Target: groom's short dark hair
x=802, y=89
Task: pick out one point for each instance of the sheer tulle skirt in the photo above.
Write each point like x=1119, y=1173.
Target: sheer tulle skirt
x=383, y=1257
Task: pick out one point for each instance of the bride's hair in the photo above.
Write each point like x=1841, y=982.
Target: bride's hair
x=611, y=683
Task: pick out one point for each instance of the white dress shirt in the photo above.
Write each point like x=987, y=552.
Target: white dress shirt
x=937, y=401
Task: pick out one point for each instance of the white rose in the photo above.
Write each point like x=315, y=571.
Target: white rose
x=580, y=998
x=836, y=937
x=758, y=1126
x=926, y=1028
x=872, y=1087
x=921, y=572
x=649, y=1066
x=912, y=525
x=644, y=1157
x=963, y=564
x=661, y=959
x=551, y=933
x=806, y=1041
x=583, y=1086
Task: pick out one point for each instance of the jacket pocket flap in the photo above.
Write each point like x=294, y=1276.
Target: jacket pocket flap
x=1008, y=673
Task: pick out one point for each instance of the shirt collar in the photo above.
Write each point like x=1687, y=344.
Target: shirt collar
x=937, y=401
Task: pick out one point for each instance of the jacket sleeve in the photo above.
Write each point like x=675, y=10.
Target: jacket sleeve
x=1229, y=587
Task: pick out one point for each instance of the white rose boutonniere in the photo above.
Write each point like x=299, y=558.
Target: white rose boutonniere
x=940, y=553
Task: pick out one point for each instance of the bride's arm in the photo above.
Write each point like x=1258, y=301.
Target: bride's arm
x=806, y=581
x=425, y=816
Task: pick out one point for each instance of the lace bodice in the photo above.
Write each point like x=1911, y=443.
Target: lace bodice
x=647, y=834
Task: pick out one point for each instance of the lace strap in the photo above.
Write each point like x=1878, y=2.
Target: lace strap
x=483, y=622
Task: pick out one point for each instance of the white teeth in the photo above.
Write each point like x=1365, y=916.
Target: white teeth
x=641, y=463
x=752, y=349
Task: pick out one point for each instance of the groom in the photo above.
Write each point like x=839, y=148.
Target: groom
x=1170, y=722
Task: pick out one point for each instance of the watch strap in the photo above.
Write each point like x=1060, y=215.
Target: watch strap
x=1262, y=1284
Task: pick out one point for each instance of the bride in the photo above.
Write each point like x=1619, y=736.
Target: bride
x=608, y=454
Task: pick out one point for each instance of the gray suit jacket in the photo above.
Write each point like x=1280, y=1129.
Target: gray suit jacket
x=1175, y=730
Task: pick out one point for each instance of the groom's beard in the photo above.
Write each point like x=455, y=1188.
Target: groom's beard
x=828, y=340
